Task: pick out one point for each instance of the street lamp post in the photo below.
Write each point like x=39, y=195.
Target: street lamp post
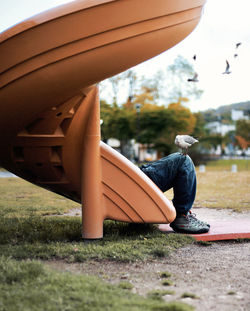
x=138, y=110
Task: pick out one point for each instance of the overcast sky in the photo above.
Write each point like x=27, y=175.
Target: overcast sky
x=224, y=23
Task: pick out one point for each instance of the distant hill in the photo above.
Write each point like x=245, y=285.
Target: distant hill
x=224, y=112
x=239, y=106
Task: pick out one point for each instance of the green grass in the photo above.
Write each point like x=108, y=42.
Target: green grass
x=30, y=286
x=242, y=165
x=189, y=295
x=218, y=187
x=204, y=243
x=167, y=283
x=165, y=274
x=222, y=190
x=60, y=238
x=29, y=232
x=21, y=198
x=125, y=285
x=158, y=294
x=26, y=233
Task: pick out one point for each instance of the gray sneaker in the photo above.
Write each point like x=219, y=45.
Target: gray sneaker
x=189, y=224
x=193, y=215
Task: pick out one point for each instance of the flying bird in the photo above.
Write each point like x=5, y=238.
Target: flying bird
x=194, y=79
x=184, y=141
x=194, y=57
x=238, y=44
x=227, y=71
x=235, y=55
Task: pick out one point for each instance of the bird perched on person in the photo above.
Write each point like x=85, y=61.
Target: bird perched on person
x=185, y=141
x=227, y=71
x=194, y=79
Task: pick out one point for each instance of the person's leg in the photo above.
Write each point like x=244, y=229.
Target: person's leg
x=184, y=187
x=175, y=171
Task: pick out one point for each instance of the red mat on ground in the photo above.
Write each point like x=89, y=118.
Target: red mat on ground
x=220, y=230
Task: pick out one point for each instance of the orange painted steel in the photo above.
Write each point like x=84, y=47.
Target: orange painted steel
x=49, y=104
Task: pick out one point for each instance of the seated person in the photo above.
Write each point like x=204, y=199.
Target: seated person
x=177, y=171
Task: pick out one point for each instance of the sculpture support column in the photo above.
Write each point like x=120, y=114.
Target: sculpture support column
x=92, y=205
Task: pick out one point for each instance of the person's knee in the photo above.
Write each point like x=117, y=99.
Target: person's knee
x=188, y=162
x=188, y=159
x=177, y=156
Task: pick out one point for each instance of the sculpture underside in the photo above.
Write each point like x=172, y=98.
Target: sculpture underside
x=49, y=105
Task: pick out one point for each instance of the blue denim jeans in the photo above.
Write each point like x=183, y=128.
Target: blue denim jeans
x=175, y=171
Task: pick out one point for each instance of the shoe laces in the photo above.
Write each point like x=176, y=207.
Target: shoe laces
x=192, y=215
x=194, y=218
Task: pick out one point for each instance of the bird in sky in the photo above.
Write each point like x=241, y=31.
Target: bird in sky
x=227, y=71
x=194, y=79
x=185, y=141
x=238, y=44
x=194, y=57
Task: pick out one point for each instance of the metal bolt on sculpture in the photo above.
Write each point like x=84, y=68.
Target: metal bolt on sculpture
x=49, y=107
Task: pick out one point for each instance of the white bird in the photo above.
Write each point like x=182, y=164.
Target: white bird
x=185, y=141
x=194, y=79
x=227, y=71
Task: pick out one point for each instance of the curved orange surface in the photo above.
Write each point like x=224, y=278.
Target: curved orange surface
x=49, y=109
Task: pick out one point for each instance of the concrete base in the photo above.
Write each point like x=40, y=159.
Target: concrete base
x=220, y=230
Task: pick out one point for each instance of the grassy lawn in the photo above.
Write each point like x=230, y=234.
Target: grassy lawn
x=60, y=238
x=30, y=286
x=20, y=198
x=32, y=230
x=29, y=234
x=223, y=190
x=27, y=230
x=226, y=165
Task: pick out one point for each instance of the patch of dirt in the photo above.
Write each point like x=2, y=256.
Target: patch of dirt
x=218, y=274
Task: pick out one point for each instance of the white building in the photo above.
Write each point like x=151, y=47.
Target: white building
x=219, y=128
x=238, y=115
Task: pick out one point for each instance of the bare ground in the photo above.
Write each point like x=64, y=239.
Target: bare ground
x=218, y=274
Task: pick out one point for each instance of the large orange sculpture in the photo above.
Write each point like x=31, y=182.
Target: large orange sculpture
x=49, y=106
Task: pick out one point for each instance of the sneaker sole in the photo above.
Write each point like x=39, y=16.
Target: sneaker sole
x=203, y=230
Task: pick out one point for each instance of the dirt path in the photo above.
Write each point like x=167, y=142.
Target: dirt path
x=218, y=274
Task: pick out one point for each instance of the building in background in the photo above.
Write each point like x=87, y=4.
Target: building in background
x=217, y=127
x=238, y=115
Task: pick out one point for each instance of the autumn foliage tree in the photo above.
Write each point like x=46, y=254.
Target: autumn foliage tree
x=178, y=120
x=158, y=125
x=156, y=122
x=242, y=134
x=242, y=142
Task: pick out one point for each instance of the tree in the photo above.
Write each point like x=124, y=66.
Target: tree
x=243, y=129
x=153, y=124
x=159, y=125
x=117, y=123
x=177, y=85
x=181, y=121
x=199, y=128
x=242, y=142
x=106, y=111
